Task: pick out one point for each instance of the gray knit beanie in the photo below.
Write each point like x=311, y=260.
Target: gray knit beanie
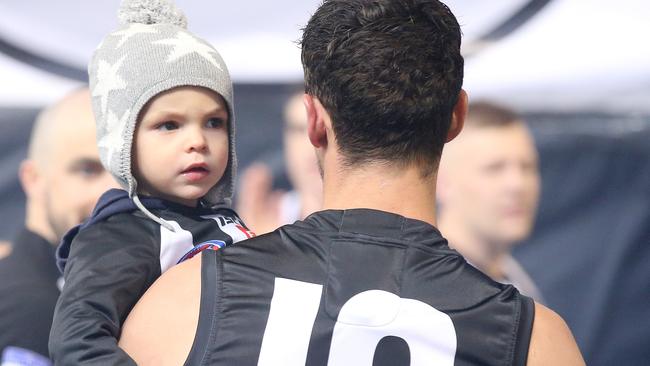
x=149, y=53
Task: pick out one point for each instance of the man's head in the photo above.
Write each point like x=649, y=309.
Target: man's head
x=62, y=175
x=389, y=74
x=489, y=182
x=302, y=166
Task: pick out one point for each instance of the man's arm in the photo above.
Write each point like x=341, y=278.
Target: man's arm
x=552, y=342
x=160, y=329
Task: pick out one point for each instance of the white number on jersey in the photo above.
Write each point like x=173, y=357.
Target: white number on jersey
x=363, y=321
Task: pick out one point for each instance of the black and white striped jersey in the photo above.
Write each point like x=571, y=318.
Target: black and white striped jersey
x=355, y=287
x=111, y=260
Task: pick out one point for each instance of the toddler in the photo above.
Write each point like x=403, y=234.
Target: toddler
x=163, y=103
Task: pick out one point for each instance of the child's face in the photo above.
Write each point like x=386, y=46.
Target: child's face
x=181, y=144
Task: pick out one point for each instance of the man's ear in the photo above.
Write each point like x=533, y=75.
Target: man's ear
x=316, y=126
x=29, y=177
x=458, y=116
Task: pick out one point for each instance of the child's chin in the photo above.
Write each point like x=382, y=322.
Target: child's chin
x=194, y=195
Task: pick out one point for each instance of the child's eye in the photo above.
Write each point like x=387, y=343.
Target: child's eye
x=167, y=126
x=215, y=123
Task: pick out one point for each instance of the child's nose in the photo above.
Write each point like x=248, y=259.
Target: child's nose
x=196, y=141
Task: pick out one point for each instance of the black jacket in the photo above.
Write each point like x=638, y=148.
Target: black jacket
x=111, y=260
x=28, y=293
x=355, y=287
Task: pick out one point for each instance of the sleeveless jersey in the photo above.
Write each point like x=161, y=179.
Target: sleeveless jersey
x=355, y=287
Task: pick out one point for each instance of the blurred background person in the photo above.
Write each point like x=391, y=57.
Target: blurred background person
x=5, y=248
x=489, y=186
x=265, y=209
x=62, y=178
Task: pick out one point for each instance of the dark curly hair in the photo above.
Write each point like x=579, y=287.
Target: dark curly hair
x=389, y=73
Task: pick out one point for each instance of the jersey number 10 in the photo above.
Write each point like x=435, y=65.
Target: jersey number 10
x=363, y=321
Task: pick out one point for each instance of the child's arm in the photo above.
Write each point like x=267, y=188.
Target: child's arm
x=111, y=265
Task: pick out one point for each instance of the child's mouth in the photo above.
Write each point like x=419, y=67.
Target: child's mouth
x=195, y=173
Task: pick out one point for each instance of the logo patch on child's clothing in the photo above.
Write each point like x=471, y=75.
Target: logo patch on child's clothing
x=16, y=356
x=233, y=227
x=206, y=245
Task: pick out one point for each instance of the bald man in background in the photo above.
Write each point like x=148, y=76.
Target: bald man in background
x=62, y=178
x=488, y=191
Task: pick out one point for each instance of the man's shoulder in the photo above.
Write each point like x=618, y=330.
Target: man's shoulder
x=160, y=328
x=552, y=342
x=185, y=275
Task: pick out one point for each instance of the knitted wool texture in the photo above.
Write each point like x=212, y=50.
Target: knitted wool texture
x=152, y=52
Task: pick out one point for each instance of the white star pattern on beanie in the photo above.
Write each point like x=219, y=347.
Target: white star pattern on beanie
x=100, y=45
x=185, y=44
x=132, y=30
x=112, y=140
x=108, y=80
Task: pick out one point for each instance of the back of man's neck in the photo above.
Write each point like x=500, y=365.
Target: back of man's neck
x=387, y=188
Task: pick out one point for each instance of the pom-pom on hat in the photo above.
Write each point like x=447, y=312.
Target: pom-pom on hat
x=149, y=53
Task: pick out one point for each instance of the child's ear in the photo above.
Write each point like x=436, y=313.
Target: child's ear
x=316, y=124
